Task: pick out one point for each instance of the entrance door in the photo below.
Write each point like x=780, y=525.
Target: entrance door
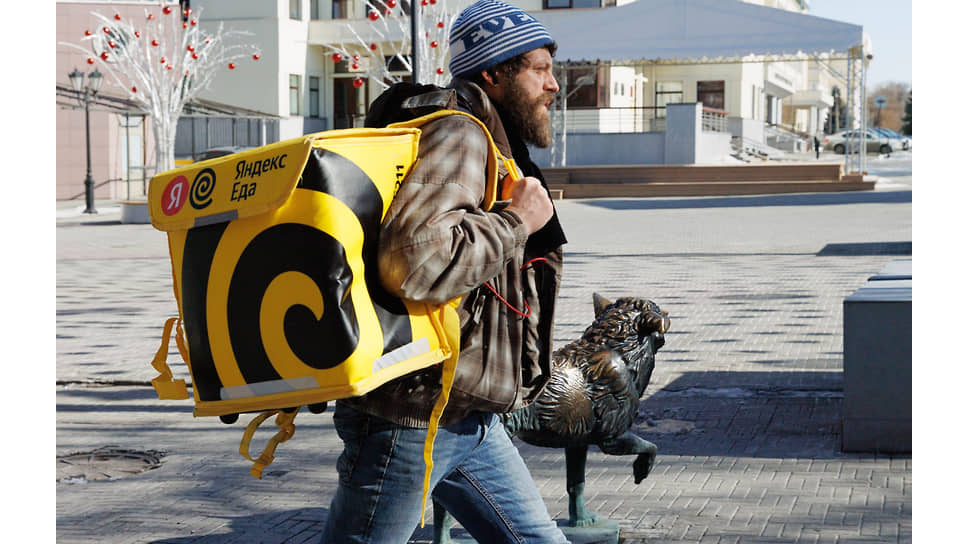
x=349, y=103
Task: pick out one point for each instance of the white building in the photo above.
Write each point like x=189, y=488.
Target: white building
x=778, y=99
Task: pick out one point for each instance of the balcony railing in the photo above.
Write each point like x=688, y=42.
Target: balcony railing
x=635, y=119
x=627, y=119
x=714, y=120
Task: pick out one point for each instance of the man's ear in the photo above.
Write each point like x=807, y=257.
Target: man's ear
x=490, y=85
x=489, y=78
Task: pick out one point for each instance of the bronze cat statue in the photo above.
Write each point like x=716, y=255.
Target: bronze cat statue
x=592, y=398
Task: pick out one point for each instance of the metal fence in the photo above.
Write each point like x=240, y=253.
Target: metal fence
x=635, y=119
x=196, y=134
x=612, y=120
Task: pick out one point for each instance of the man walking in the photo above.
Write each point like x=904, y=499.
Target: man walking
x=437, y=243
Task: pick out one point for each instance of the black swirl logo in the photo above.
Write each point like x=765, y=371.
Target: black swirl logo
x=202, y=187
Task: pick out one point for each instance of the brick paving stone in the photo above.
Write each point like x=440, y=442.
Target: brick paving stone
x=744, y=403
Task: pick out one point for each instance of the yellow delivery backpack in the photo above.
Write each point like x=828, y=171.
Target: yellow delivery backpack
x=273, y=254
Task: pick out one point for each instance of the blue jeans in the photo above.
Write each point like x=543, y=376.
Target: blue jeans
x=478, y=476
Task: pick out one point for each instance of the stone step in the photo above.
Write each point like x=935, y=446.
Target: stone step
x=685, y=188
x=622, y=174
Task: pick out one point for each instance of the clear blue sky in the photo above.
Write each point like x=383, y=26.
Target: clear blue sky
x=888, y=23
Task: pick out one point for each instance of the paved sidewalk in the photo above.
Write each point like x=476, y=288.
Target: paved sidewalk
x=744, y=403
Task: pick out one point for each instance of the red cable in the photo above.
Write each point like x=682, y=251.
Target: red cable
x=526, y=305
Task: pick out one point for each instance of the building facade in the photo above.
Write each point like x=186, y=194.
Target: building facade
x=298, y=83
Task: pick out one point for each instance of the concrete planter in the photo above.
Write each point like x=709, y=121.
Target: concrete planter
x=135, y=211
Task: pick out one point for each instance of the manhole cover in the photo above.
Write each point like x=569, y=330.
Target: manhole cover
x=105, y=464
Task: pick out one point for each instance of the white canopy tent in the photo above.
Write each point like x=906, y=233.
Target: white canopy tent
x=711, y=31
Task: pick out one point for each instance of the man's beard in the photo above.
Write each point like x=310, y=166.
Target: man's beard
x=529, y=118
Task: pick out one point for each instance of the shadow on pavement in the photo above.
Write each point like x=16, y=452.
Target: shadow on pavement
x=301, y=525
x=866, y=248
x=304, y=525
x=746, y=414
x=811, y=199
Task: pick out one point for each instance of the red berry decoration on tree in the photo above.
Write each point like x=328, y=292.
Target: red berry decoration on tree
x=166, y=10
x=440, y=71
x=117, y=16
x=231, y=66
x=190, y=48
x=256, y=57
x=134, y=89
x=87, y=32
x=168, y=67
x=358, y=82
x=372, y=47
x=104, y=56
x=424, y=2
x=433, y=43
x=337, y=57
x=184, y=25
x=392, y=3
x=356, y=58
x=194, y=22
x=107, y=30
x=151, y=16
x=163, y=60
x=154, y=43
x=373, y=16
x=194, y=56
x=111, y=44
x=440, y=24
x=137, y=34
x=355, y=66
x=90, y=60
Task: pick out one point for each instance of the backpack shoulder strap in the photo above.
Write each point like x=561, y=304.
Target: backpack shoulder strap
x=494, y=155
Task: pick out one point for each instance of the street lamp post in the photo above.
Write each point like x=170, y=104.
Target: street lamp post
x=579, y=83
x=85, y=94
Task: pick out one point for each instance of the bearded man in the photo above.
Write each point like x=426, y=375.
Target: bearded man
x=437, y=243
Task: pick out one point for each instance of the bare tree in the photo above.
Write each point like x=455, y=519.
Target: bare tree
x=163, y=61
x=385, y=43
x=890, y=115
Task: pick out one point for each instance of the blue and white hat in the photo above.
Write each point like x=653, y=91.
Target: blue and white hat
x=489, y=32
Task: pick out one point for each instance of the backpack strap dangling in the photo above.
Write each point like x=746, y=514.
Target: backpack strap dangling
x=284, y=420
x=167, y=387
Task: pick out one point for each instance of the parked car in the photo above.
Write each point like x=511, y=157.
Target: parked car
x=219, y=152
x=875, y=143
x=903, y=142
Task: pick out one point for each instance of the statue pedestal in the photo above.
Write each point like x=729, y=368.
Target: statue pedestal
x=603, y=532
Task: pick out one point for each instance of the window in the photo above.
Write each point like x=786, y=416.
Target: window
x=587, y=87
x=711, y=94
x=294, y=92
x=341, y=9
x=667, y=92
x=314, y=9
x=566, y=4
x=313, y=96
x=295, y=9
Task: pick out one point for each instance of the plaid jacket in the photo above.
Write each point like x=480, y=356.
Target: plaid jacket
x=436, y=243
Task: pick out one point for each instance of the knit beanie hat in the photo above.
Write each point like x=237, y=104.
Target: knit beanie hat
x=489, y=32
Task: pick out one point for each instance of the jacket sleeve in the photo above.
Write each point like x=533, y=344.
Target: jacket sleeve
x=436, y=243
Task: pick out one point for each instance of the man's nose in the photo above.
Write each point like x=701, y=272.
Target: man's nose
x=552, y=84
